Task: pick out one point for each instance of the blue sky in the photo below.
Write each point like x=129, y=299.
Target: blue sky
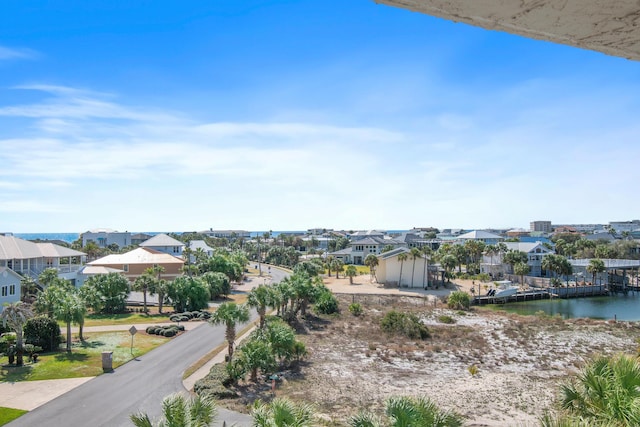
x=286, y=115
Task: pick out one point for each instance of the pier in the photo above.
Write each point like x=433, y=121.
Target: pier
x=547, y=293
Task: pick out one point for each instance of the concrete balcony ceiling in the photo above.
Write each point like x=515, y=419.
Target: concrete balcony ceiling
x=608, y=26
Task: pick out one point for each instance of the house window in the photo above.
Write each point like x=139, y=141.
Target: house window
x=359, y=248
x=125, y=268
x=12, y=289
x=4, y=291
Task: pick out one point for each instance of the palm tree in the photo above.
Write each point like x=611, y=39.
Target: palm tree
x=402, y=257
x=260, y=298
x=426, y=252
x=15, y=316
x=491, y=251
x=415, y=254
x=282, y=412
x=448, y=262
x=406, y=411
x=181, y=411
x=596, y=265
x=230, y=314
x=351, y=271
x=144, y=284
x=521, y=269
x=28, y=288
x=337, y=265
x=70, y=308
x=159, y=287
x=371, y=261
x=607, y=391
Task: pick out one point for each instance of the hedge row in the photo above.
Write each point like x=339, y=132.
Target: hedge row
x=164, y=331
x=190, y=315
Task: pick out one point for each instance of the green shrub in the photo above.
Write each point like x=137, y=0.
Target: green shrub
x=459, y=300
x=355, y=309
x=408, y=324
x=446, y=319
x=215, y=384
x=42, y=331
x=169, y=333
x=326, y=303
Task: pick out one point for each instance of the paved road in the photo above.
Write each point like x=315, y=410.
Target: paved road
x=138, y=386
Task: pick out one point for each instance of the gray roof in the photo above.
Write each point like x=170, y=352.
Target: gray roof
x=161, y=240
x=15, y=248
x=479, y=234
x=525, y=246
x=199, y=244
x=393, y=253
x=345, y=251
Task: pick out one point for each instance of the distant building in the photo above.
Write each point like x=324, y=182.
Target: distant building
x=483, y=236
x=138, y=238
x=542, y=226
x=104, y=237
x=625, y=226
x=226, y=234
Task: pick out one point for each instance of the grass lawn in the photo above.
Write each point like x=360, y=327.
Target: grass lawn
x=7, y=415
x=123, y=319
x=85, y=359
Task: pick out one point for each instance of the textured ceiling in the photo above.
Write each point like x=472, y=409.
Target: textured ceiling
x=608, y=26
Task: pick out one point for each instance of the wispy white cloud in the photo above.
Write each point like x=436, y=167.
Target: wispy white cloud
x=7, y=53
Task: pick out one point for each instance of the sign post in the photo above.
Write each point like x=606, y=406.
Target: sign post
x=132, y=331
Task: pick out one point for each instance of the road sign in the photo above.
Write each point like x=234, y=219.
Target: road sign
x=132, y=331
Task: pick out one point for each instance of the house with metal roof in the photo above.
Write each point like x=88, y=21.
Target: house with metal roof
x=135, y=262
x=483, y=236
x=30, y=259
x=493, y=263
x=165, y=244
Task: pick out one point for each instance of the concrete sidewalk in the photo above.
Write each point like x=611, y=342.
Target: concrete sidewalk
x=28, y=395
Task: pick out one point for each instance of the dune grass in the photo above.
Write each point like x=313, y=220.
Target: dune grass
x=85, y=359
x=9, y=414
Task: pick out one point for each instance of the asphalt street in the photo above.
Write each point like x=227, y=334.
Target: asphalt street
x=138, y=386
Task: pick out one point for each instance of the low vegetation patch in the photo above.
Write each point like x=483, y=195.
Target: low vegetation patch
x=404, y=323
x=165, y=331
x=123, y=319
x=9, y=414
x=445, y=318
x=85, y=359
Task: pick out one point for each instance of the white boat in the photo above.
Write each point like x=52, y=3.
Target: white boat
x=505, y=289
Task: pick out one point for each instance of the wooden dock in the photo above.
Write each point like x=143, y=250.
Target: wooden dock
x=520, y=296
x=547, y=293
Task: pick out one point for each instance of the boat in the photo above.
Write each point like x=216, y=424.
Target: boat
x=505, y=288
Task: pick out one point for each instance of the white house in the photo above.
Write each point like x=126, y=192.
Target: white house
x=483, y=236
x=165, y=244
x=196, y=245
x=31, y=259
x=535, y=252
x=9, y=286
x=104, y=237
x=409, y=273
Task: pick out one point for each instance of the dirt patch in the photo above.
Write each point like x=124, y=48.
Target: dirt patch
x=521, y=361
